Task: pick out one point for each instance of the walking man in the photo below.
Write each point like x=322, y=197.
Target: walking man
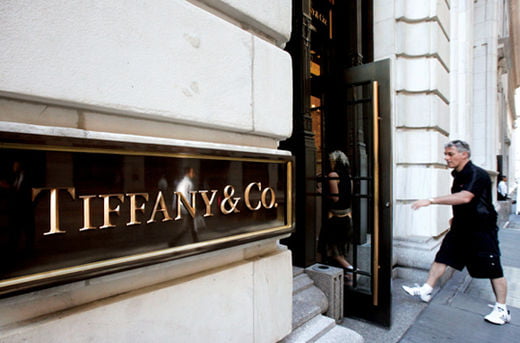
x=472, y=240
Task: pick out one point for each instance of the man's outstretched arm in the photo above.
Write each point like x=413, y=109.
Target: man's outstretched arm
x=459, y=198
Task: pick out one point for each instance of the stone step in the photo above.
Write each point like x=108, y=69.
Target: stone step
x=311, y=331
x=301, y=282
x=308, y=322
x=340, y=334
x=297, y=271
x=307, y=304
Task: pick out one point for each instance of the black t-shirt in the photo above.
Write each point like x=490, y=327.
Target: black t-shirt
x=479, y=214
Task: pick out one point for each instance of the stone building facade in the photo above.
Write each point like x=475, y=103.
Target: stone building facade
x=189, y=74
x=456, y=70
x=219, y=75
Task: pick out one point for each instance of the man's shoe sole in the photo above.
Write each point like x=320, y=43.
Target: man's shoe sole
x=491, y=322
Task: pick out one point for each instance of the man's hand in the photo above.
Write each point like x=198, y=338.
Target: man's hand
x=421, y=203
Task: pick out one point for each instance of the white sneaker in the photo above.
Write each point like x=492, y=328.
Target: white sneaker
x=418, y=291
x=498, y=316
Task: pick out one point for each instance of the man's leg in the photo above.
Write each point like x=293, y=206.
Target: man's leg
x=500, y=315
x=436, y=271
x=500, y=289
x=425, y=291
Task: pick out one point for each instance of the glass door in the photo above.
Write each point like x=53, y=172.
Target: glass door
x=361, y=127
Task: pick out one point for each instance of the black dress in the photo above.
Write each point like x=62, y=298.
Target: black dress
x=337, y=230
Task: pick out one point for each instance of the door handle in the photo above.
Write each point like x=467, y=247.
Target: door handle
x=375, y=129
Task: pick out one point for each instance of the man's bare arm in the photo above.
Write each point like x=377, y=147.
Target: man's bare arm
x=459, y=198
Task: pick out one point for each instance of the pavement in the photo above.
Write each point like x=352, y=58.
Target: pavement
x=455, y=313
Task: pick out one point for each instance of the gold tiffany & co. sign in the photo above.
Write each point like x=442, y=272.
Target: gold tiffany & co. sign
x=72, y=208
x=160, y=212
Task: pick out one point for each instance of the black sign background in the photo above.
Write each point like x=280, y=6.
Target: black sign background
x=108, y=173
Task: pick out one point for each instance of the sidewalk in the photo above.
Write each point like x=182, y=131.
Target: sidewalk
x=456, y=312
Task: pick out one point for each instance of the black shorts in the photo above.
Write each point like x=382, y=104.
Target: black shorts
x=477, y=251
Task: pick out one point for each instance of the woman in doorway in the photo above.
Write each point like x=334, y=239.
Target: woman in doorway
x=337, y=231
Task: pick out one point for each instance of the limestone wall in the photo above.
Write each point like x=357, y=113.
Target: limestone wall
x=415, y=35
x=131, y=65
x=209, y=74
x=235, y=295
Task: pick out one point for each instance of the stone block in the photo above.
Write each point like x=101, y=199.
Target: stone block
x=443, y=15
x=272, y=285
x=311, y=330
x=422, y=110
x=102, y=122
x=37, y=114
x=128, y=58
x=271, y=17
x=176, y=301
x=414, y=10
x=384, y=10
x=330, y=281
x=428, y=222
x=504, y=210
x=422, y=75
x=420, y=147
x=301, y=282
x=421, y=182
x=340, y=334
x=410, y=274
x=479, y=12
x=272, y=90
x=416, y=252
x=307, y=304
x=423, y=38
x=384, y=39
x=187, y=311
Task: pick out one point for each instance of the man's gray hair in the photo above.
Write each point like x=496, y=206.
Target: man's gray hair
x=461, y=146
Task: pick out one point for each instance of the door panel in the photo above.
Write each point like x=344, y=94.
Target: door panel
x=364, y=112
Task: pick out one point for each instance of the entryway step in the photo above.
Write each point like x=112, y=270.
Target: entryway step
x=307, y=303
x=308, y=322
x=301, y=283
x=340, y=334
x=311, y=331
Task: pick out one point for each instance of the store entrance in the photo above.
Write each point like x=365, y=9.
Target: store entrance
x=356, y=126
x=342, y=107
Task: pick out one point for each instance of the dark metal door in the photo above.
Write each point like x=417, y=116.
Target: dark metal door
x=363, y=128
